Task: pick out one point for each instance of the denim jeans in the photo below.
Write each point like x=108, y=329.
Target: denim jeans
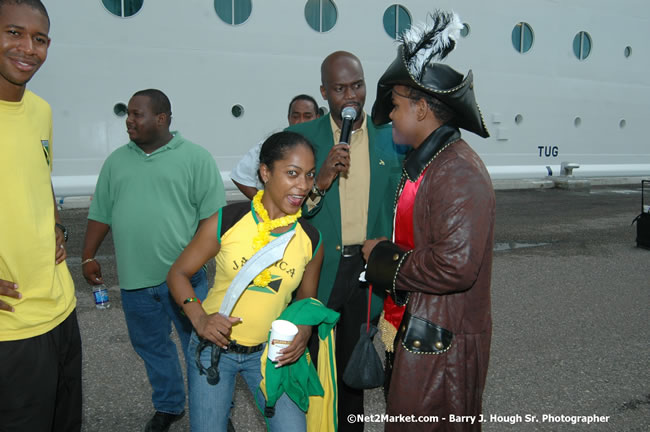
x=210, y=404
x=149, y=313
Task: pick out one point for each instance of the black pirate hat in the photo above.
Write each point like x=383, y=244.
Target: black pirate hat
x=417, y=65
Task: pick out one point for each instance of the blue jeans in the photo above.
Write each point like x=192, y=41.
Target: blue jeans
x=210, y=404
x=149, y=313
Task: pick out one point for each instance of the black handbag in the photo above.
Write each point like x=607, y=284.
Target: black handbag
x=364, y=369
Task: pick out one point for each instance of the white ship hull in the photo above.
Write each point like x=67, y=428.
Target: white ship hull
x=542, y=107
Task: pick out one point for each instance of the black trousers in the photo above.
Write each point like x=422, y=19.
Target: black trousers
x=40, y=381
x=350, y=298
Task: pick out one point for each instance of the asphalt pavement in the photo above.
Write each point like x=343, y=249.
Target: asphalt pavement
x=570, y=306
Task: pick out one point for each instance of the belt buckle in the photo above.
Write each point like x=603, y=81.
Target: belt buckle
x=353, y=250
x=234, y=347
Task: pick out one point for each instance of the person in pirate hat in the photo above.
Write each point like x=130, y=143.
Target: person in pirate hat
x=437, y=268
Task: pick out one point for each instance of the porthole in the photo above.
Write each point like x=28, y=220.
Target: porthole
x=622, y=124
x=577, y=121
x=397, y=19
x=627, y=51
x=120, y=109
x=123, y=8
x=522, y=37
x=321, y=15
x=582, y=45
x=519, y=118
x=464, y=32
x=237, y=111
x=233, y=12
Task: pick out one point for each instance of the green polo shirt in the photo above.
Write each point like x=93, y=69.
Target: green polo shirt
x=153, y=204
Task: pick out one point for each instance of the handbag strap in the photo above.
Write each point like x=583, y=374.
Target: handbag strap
x=369, y=301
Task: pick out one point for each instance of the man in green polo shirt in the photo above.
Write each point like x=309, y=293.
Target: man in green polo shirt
x=153, y=193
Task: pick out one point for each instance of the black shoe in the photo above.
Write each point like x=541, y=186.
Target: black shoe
x=161, y=421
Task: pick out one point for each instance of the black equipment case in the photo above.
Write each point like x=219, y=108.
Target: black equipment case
x=643, y=220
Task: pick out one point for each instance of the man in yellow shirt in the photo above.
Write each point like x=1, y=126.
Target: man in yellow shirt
x=40, y=345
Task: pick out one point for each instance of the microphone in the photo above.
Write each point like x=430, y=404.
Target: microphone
x=348, y=116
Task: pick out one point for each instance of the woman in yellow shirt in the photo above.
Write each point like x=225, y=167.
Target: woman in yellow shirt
x=232, y=236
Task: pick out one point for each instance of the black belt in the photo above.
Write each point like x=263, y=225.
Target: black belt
x=212, y=371
x=243, y=349
x=351, y=250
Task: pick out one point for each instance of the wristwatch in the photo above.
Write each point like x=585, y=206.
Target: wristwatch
x=317, y=192
x=62, y=228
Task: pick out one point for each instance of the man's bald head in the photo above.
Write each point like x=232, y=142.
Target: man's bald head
x=336, y=60
x=343, y=85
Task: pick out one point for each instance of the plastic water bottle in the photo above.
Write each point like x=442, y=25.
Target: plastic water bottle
x=101, y=296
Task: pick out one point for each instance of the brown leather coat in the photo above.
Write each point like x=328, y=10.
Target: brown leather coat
x=445, y=279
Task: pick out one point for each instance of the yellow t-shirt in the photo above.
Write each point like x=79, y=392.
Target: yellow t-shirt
x=27, y=237
x=258, y=307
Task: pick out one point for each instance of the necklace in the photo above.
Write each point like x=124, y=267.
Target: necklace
x=264, y=228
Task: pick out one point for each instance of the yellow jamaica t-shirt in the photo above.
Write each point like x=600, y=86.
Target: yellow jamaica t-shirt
x=27, y=236
x=258, y=307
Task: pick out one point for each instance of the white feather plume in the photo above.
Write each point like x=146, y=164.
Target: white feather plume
x=430, y=41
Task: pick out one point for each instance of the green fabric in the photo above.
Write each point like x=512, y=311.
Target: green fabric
x=153, y=205
x=300, y=379
x=385, y=171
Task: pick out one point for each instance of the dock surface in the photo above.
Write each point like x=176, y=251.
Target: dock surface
x=570, y=305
